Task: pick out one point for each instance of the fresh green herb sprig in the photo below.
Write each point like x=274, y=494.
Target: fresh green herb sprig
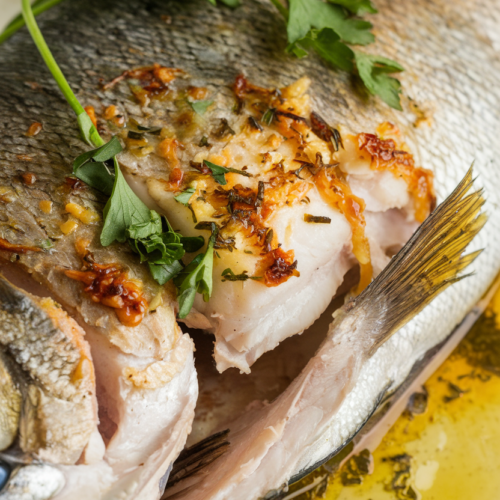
x=95, y=167
x=328, y=27
x=196, y=277
x=126, y=217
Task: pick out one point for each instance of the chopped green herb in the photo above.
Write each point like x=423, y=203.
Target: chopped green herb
x=374, y=71
x=255, y=124
x=268, y=116
x=317, y=219
x=218, y=172
x=136, y=136
x=46, y=244
x=196, y=278
x=224, y=129
x=200, y=107
x=185, y=196
x=149, y=130
x=204, y=142
x=228, y=275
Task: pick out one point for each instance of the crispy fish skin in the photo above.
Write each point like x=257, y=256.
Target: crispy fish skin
x=59, y=410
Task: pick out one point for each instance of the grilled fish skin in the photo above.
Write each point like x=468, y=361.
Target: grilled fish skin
x=59, y=410
x=465, y=120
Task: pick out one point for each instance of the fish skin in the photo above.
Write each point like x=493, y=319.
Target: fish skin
x=465, y=119
x=10, y=401
x=59, y=409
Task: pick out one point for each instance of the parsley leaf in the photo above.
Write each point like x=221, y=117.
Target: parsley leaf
x=196, y=278
x=307, y=14
x=374, y=71
x=328, y=45
x=192, y=243
x=92, y=169
x=357, y=6
x=145, y=229
x=200, y=107
x=185, y=196
x=218, y=172
x=165, y=272
x=123, y=210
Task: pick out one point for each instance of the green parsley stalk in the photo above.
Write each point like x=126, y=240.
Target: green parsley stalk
x=18, y=22
x=87, y=129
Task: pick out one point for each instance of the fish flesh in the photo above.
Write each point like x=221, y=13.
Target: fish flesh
x=269, y=443
x=145, y=377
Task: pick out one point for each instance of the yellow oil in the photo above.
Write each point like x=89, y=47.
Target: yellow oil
x=449, y=452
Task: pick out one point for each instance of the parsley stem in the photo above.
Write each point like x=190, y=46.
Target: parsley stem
x=87, y=129
x=17, y=23
x=283, y=10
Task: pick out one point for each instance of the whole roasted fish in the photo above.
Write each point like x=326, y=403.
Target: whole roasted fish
x=112, y=54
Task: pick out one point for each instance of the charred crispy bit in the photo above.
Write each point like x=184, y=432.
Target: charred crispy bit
x=223, y=130
x=109, y=285
x=278, y=266
x=325, y=132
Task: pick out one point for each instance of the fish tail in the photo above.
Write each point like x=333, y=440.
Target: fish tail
x=431, y=261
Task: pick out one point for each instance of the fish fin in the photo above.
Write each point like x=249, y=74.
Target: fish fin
x=431, y=261
x=198, y=456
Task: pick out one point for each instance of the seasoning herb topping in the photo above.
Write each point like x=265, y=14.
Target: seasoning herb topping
x=219, y=173
x=317, y=219
x=228, y=275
